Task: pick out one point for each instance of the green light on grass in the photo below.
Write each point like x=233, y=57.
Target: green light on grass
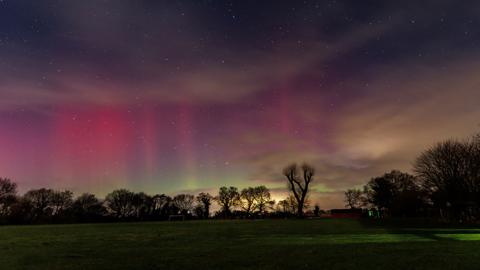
x=367, y=238
x=460, y=236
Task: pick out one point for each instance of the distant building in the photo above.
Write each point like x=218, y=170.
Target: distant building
x=346, y=213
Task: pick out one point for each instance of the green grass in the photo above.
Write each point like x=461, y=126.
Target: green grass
x=262, y=244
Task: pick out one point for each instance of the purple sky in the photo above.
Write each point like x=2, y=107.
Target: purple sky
x=187, y=96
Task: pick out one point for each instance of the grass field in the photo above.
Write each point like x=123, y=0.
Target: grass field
x=261, y=244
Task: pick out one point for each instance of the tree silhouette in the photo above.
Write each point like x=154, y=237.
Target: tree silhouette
x=184, y=203
x=87, y=208
x=354, y=198
x=288, y=205
x=119, y=203
x=204, y=200
x=395, y=192
x=161, y=206
x=142, y=205
x=247, y=200
x=39, y=202
x=8, y=192
x=263, y=199
x=299, y=186
x=283, y=207
x=227, y=198
x=450, y=174
x=60, y=202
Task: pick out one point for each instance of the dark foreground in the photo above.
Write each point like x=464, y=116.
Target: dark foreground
x=263, y=244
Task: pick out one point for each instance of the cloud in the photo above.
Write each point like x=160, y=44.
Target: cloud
x=405, y=109
x=355, y=100
x=125, y=74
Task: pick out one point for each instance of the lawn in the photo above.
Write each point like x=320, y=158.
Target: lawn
x=260, y=244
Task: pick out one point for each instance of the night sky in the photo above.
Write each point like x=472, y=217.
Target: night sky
x=187, y=96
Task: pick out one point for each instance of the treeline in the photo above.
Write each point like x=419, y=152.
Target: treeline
x=53, y=206
x=445, y=185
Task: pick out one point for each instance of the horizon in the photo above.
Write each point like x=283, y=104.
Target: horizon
x=186, y=96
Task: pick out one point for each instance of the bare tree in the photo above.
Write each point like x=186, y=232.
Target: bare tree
x=8, y=192
x=450, y=174
x=299, y=185
x=288, y=206
x=263, y=199
x=354, y=198
x=119, y=203
x=60, y=202
x=227, y=198
x=184, y=203
x=161, y=205
x=247, y=200
x=39, y=201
